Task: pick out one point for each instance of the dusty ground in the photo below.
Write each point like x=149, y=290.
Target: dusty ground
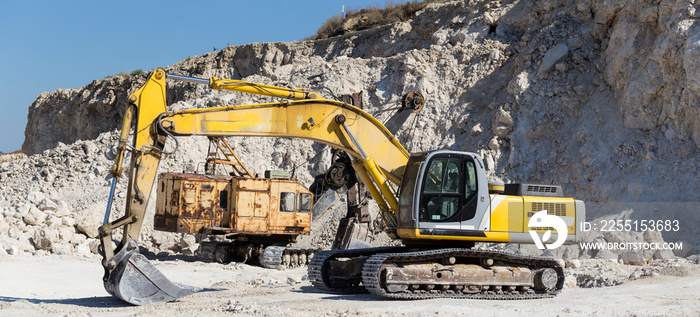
x=71, y=286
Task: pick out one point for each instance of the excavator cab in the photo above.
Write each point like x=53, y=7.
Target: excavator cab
x=443, y=190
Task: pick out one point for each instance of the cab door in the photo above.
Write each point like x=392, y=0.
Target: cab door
x=440, y=202
x=476, y=195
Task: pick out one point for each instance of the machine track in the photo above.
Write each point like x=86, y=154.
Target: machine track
x=372, y=275
x=277, y=257
x=379, y=261
x=319, y=269
x=272, y=257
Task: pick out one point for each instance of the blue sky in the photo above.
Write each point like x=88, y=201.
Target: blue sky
x=47, y=45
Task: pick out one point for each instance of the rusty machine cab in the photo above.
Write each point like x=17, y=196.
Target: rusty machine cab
x=270, y=210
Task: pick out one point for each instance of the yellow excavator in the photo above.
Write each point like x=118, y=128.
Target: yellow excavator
x=437, y=203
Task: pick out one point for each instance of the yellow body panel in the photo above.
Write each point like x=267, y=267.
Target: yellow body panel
x=507, y=216
x=513, y=213
x=558, y=206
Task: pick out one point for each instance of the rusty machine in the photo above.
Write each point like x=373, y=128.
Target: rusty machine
x=258, y=217
x=252, y=219
x=438, y=203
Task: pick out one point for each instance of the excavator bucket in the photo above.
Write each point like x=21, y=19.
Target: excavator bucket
x=133, y=279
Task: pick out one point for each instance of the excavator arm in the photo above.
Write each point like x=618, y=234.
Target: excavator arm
x=305, y=115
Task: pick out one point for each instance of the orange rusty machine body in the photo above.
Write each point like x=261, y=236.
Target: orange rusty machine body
x=248, y=215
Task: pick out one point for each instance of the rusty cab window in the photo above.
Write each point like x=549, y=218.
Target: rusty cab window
x=304, y=202
x=223, y=199
x=287, y=202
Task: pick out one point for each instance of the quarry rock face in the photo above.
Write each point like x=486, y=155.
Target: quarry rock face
x=600, y=97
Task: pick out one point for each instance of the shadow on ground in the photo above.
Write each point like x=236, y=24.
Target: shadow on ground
x=364, y=297
x=94, y=302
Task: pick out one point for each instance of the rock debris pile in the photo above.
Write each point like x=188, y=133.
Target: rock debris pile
x=599, y=96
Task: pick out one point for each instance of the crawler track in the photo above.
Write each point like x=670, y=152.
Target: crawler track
x=371, y=275
x=377, y=259
x=272, y=257
x=276, y=257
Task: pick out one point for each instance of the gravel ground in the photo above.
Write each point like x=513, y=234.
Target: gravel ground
x=71, y=286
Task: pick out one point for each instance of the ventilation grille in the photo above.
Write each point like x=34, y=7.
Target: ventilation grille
x=552, y=208
x=519, y=189
x=541, y=189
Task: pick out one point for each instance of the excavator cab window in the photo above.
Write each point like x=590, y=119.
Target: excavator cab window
x=442, y=189
x=433, y=183
x=470, y=183
x=287, y=202
x=452, y=177
x=449, y=190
